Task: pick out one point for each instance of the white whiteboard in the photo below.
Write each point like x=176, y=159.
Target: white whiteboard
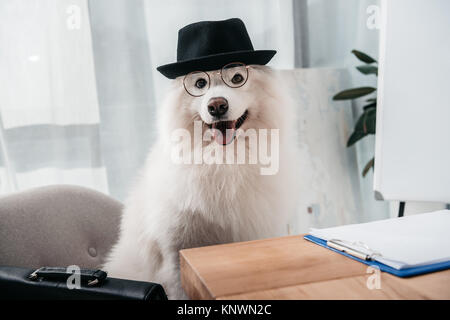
x=412, y=153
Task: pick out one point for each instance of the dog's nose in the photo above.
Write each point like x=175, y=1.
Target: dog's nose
x=217, y=106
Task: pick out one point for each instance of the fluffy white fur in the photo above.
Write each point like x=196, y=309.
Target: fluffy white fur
x=176, y=206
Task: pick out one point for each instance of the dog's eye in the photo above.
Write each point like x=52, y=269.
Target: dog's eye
x=237, y=78
x=200, y=83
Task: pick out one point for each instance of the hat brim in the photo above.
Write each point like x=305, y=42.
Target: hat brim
x=215, y=62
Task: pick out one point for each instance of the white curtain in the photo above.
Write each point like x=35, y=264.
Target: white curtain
x=49, y=106
x=80, y=90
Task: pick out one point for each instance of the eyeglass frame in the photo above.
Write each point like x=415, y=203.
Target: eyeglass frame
x=221, y=76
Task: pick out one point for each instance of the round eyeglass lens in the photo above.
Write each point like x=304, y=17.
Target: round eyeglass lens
x=196, y=83
x=235, y=74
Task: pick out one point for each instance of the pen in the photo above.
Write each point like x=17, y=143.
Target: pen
x=341, y=247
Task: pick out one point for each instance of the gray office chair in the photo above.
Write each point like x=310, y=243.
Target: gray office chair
x=57, y=226
x=60, y=226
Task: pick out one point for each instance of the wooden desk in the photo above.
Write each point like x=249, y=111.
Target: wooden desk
x=293, y=268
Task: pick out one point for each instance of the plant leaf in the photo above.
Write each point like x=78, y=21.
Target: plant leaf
x=353, y=93
x=371, y=120
x=372, y=100
x=372, y=105
x=368, y=69
x=367, y=121
x=369, y=165
x=363, y=57
x=354, y=137
x=364, y=126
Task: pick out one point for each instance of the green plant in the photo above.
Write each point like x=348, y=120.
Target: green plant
x=365, y=125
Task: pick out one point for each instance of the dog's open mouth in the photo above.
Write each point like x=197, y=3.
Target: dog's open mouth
x=224, y=132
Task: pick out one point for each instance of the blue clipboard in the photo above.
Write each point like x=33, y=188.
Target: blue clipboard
x=407, y=272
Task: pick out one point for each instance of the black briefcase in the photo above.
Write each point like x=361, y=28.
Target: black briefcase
x=55, y=283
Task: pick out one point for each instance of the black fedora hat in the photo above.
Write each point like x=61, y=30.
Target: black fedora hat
x=209, y=45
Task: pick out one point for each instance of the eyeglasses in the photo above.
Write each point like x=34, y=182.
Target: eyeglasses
x=234, y=75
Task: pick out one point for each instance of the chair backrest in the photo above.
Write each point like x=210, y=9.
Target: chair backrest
x=57, y=226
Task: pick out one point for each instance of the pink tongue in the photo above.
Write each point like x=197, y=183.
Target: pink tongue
x=224, y=131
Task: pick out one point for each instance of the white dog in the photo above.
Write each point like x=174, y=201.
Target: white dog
x=176, y=206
